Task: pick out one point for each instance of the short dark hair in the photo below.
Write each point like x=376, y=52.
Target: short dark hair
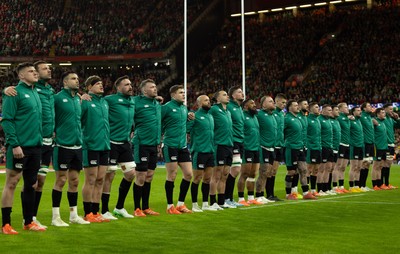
x=22, y=66
x=378, y=110
x=312, y=104
x=119, y=80
x=353, y=109
x=232, y=90
x=289, y=103
x=364, y=105
x=325, y=106
x=144, y=82
x=215, y=97
x=37, y=63
x=245, y=102
x=90, y=81
x=175, y=88
x=280, y=96
x=334, y=106
x=386, y=105
x=65, y=74
x=301, y=100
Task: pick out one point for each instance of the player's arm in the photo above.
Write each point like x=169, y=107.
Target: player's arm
x=8, y=123
x=85, y=109
x=10, y=91
x=160, y=99
x=396, y=123
x=191, y=116
x=84, y=97
x=189, y=125
x=164, y=115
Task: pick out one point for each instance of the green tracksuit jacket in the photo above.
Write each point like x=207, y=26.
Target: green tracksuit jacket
x=223, y=133
x=121, y=110
x=356, y=133
x=251, y=132
x=303, y=119
x=147, y=121
x=280, y=121
x=268, y=128
x=391, y=124
x=173, y=121
x=46, y=95
x=22, y=117
x=336, y=133
x=344, y=122
x=313, y=132
x=68, y=113
x=201, y=131
x=368, y=127
x=293, y=132
x=326, y=132
x=380, y=135
x=95, y=126
x=237, y=121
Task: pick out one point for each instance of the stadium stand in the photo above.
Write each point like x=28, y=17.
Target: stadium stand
x=73, y=27
x=356, y=66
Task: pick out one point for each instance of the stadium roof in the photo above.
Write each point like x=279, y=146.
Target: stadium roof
x=259, y=5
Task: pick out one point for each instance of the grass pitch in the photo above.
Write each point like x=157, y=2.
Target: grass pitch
x=348, y=223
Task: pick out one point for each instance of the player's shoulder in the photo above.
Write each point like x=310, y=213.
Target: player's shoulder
x=110, y=97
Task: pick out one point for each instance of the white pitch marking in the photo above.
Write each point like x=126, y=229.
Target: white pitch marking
x=280, y=203
x=365, y=202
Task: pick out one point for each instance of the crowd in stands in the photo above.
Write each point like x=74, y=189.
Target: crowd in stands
x=76, y=27
x=275, y=47
x=360, y=64
x=25, y=26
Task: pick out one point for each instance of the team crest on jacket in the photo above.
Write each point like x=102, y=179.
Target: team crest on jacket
x=27, y=96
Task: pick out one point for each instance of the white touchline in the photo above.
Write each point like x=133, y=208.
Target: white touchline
x=365, y=202
x=280, y=203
